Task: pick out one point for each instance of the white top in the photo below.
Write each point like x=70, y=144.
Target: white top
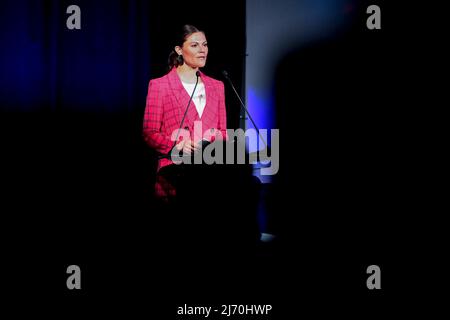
x=199, y=97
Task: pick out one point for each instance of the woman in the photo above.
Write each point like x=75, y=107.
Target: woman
x=168, y=97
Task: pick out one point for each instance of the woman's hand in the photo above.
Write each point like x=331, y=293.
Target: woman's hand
x=188, y=146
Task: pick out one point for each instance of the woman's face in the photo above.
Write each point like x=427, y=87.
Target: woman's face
x=194, y=50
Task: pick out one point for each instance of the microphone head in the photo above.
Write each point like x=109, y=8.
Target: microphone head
x=225, y=73
x=197, y=73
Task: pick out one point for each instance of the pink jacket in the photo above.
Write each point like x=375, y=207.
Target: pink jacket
x=166, y=102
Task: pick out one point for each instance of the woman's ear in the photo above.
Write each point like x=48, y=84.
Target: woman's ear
x=178, y=50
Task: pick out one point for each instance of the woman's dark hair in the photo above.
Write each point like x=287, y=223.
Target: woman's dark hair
x=176, y=60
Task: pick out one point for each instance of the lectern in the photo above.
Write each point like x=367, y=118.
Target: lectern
x=216, y=203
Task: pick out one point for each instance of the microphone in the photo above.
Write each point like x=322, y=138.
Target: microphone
x=225, y=74
x=166, y=156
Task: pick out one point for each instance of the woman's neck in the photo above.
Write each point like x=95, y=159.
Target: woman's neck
x=187, y=74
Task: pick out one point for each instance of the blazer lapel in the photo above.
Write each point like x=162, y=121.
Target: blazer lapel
x=178, y=93
x=182, y=99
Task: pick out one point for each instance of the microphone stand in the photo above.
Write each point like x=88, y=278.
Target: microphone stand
x=244, y=107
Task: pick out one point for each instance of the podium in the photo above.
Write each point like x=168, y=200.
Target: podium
x=216, y=204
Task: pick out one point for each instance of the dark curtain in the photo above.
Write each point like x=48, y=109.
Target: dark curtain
x=105, y=66
x=47, y=67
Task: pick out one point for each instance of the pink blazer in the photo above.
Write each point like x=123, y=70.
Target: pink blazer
x=166, y=102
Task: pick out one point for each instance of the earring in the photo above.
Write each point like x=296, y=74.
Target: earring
x=180, y=59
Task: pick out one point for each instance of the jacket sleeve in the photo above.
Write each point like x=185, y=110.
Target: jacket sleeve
x=153, y=117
